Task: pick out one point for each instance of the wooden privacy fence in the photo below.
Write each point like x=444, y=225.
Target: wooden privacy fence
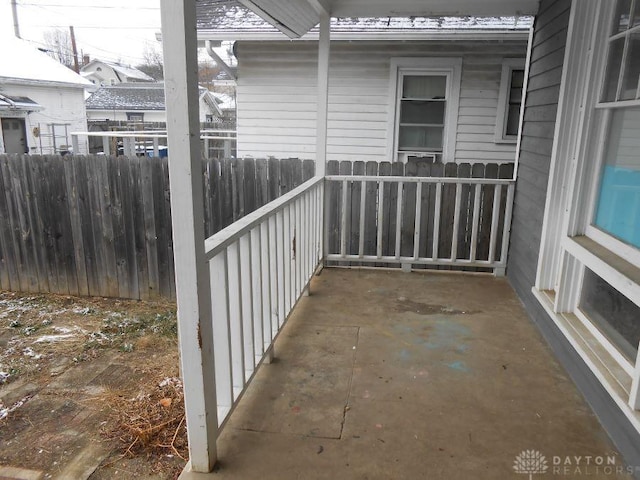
x=101, y=226
x=418, y=214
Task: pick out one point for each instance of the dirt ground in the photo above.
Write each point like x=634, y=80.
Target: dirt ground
x=89, y=388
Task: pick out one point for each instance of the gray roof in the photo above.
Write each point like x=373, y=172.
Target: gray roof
x=128, y=96
x=229, y=16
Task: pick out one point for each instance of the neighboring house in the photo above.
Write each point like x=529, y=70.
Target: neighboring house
x=141, y=102
x=41, y=101
x=444, y=88
x=102, y=73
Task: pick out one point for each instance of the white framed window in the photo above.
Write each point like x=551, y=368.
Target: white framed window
x=509, y=100
x=590, y=251
x=423, y=113
x=135, y=116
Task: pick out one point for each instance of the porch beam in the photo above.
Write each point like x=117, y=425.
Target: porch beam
x=323, y=93
x=191, y=269
x=321, y=7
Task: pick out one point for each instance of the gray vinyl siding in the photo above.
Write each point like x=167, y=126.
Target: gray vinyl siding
x=277, y=97
x=535, y=155
x=550, y=34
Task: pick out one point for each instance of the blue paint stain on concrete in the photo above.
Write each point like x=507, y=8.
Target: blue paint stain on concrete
x=405, y=355
x=458, y=365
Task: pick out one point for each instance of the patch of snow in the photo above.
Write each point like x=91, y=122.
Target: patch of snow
x=28, y=352
x=170, y=381
x=82, y=311
x=5, y=411
x=53, y=338
x=4, y=376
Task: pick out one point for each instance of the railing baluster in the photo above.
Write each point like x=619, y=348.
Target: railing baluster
x=246, y=291
x=265, y=284
x=380, y=218
x=495, y=217
x=343, y=221
x=363, y=197
x=218, y=273
x=290, y=266
x=416, y=228
x=475, y=223
x=436, y=221
x=299, y=255
x=506, y=227
x=280, y=286
x=274, y=277
x=456, y=222
x=235, y=318
x=399, y=217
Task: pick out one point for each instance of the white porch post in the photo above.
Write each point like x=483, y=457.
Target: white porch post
x=323, y=93
x=191, y=269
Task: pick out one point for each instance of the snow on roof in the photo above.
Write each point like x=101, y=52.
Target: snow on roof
x=21, y=61
x=225, y=102
x=128, y=96
x=219, y=18
x=129, y=71
x=18, y=103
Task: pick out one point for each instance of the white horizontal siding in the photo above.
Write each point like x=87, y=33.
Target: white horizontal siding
x=277, y=98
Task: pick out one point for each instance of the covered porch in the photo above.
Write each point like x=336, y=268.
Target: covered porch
x=484, y=370
x=383, y=374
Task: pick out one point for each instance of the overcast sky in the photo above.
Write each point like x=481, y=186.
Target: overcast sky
x=114, y=30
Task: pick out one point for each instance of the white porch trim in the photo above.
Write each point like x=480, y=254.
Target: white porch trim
x=191, y=272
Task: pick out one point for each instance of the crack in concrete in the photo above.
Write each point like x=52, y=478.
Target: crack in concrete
x=353, y=367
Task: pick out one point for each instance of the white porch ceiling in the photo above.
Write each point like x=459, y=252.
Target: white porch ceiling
x=297, y=17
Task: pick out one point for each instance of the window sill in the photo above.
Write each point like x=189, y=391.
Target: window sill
x=618, y=272
x=508, y=141
x=609, y=373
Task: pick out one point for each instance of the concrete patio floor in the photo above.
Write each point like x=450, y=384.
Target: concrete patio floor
x=388, y=375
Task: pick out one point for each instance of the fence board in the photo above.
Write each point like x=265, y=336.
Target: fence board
x=102, y=225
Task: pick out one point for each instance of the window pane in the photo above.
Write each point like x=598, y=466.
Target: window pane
x=613, y=70
x=631, y=68
x=635, y=19
x=614, y=314
x=618, y=208
x=424, y=86
x=415, y=111
x=513, y=119
x=621, y=18
x=517, y=79
x=420, y=138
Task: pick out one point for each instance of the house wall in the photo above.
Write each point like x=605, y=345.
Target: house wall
x=276, y=97
x=103, y=77
x=121, y=115
x=543, y=90
x=61, y=105
x=549, y=42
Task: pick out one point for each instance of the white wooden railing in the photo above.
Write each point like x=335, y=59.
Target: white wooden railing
x=260, y=266
x=370, y=220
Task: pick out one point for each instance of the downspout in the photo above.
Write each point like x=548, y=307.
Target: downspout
x=219, y=61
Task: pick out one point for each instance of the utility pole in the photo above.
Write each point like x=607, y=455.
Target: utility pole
x=76, y=68
x=16, y=26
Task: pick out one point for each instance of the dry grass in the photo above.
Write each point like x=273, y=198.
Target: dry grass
x=151, y=424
